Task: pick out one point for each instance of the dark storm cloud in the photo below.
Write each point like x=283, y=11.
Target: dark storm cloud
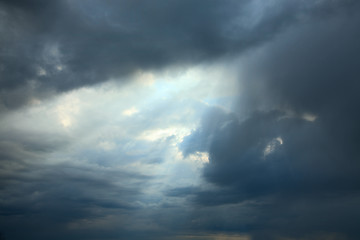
x=310, y=159
x=67, y=44
x=312, y=173
x=58, y=200
x=307, y=183
x=273, y=172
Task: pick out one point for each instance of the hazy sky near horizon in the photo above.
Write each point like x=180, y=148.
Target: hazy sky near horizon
x=179, y=119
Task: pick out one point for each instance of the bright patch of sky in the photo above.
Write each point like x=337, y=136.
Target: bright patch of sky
x=133, y=127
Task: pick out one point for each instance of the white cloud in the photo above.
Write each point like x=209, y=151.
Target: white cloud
x=67, y=109
x=201, y=157
x=272, y=146
x=130, y=111
x=309, y=117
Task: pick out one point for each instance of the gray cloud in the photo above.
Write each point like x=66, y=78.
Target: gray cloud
x=307, y=182
x=63, y=200
x=310, y=177
x=63, y=45
x=284, y=164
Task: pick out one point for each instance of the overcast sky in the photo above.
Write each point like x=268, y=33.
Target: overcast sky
x=179, y=119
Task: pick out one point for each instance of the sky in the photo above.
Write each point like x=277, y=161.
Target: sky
x=179, y=119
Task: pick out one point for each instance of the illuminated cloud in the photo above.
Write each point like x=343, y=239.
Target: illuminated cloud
x=129, y=112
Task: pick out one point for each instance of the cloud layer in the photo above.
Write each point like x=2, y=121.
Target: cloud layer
x=61, y=45
x=295, y=157
x=179, y=119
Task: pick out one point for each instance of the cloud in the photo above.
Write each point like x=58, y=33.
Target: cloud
x=104, y=171
x=62, y=45
x=300, y=88
x=179, y=120
x=310, y=174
